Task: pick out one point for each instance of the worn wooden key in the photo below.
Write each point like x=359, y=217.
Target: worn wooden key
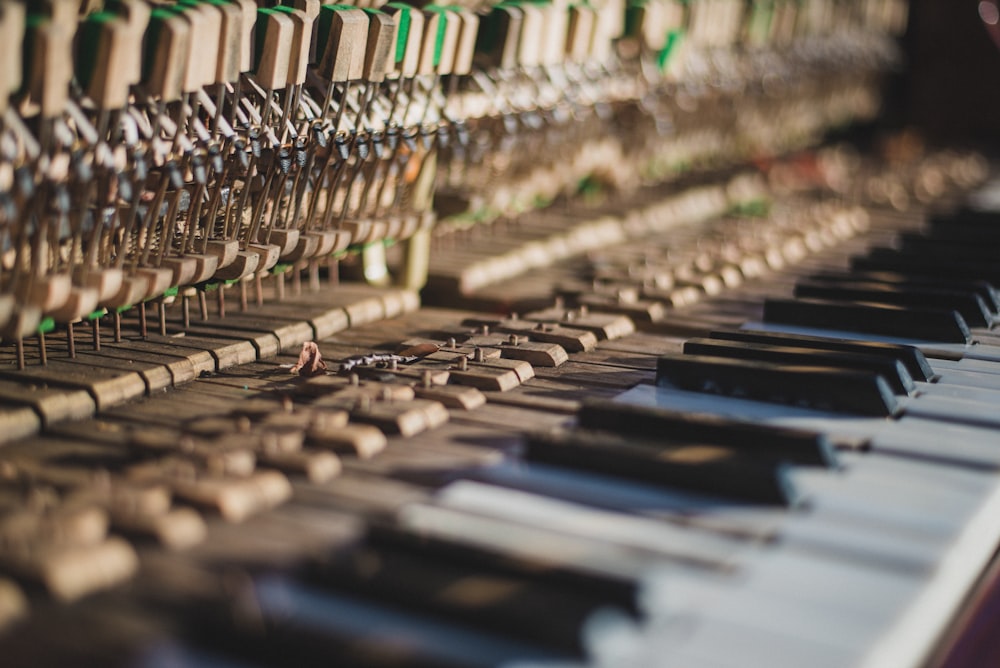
x=570, y=338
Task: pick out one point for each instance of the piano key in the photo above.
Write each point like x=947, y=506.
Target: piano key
x=570, y=338
x=983, y=288
x=311, y=625
x=52, y=405
x=463, y=398
x=588, y=522
x=862, y=393
x=929, y=244
x=608, y=327
x=796, y=446
x=617, y=574
x=707, y=469
x=911, y=357
x=911, y=435
x=107, y=387
x=891, y=370
x=69, y=573
x=969, y=305
x=517, y=348
x=474, y=595
x=885, y=259
x=404, y=417
x=917, y=323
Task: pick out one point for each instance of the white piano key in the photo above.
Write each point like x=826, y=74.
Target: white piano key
x=957, y=388
x=742, y=647
x=961, y=444
x=913, y=635
x=974, y=366
x=881, y=500
x=873, y=546
x=950, y=409
x=784, y=598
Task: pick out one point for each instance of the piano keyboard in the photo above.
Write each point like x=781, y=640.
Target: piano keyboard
x=667, y=469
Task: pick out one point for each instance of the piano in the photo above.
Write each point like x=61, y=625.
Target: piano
x=525, y=334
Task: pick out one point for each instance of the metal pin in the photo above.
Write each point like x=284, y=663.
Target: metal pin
x=20, y=354
x=161, y=312
x=463, y=363
x=96, y=327
x=203, y=304
x=186, y=311
x=426, y=379
x=478, y=355
x=118, y=326
x=70, y=341
x=42, y=351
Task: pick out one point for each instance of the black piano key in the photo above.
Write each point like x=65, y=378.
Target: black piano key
x=965, y=223
x=825, y=389
x=910, y=357
x=889, y=259
x=927, y=324
x=969, y=304
x=619, y=591
x=964, y=233
x=984, y=289
x=931, y=245
x=284, y=621
x=890, y=369
x=796, y=446
x=706, y=469
x=966, y=216
x=469, y=595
